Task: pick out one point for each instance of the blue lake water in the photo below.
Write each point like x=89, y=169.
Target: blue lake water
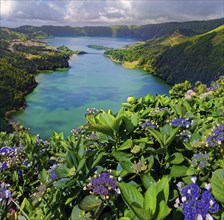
x=60, y=100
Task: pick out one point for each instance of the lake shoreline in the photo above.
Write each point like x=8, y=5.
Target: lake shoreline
x=8, y=113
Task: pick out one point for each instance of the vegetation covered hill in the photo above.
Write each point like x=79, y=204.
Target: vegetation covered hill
x=143, y=32
x=157, y=158
x=20, y=59
x=176, y=57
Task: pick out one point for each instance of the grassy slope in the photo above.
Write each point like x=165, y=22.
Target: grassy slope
x=176, y=58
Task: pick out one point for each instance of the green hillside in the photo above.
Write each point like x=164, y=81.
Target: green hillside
x=143, y=32
x=176, y=57
x=20, y=60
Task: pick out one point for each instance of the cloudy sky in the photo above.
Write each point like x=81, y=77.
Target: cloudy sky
x=14, y=13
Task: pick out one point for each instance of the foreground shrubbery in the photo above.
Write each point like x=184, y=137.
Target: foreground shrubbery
x=157, y=158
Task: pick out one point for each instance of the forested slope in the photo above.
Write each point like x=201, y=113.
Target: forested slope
x=176, y=57
x=20, y=60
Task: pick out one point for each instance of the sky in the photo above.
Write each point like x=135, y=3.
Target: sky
x=14, y=13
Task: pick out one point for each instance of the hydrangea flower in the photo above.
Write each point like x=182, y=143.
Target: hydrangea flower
x=200, y=160
x=9, y=156
x=4, y=192
x=93, y=136
x=52, y=173
x=217, y=137
x=180, y=122
x=76, y=131
x=148, y=125
x=214, y=87
x=197, y=203
x=102, y=184
x=91, y=111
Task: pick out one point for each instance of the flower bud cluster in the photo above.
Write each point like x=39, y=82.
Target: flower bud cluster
x=200, y=160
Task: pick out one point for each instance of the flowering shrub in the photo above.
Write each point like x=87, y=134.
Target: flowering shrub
x=150, y=145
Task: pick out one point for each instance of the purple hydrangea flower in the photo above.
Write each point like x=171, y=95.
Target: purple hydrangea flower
x=93, y=136
x=91, y=111
x=217, y=137
x=8, y=151
x=76, y=131
x=197, y=204
x=102, y=184
x=180, y=122
x=147, y=125
x=52, y=173
x=4, y=192
x=4, y=166
x=214, y=87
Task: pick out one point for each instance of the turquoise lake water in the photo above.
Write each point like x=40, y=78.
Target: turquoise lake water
x=60, y=100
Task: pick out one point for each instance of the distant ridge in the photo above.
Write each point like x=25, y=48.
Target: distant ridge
x=142, y=32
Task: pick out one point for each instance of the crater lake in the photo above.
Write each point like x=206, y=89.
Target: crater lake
x=60, y=100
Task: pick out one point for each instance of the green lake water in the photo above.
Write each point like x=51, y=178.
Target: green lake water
x=60, y=100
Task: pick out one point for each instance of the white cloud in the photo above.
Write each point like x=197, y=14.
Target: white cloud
x=107, y=12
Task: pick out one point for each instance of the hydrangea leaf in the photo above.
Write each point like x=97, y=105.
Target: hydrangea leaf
x=178, y=171
x=217, y=183
x=176, y=158
x=90, y=203
x=132, y=197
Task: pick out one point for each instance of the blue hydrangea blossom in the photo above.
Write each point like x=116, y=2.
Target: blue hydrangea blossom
x=197, y=203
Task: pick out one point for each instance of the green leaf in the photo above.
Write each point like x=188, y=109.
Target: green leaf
x=62, y=171
x=134, y=119
x=163, y=186
x=131, y=195
x=89, y=203
x=121, y=156
x=81, y=164
x=103, y=129
x=128, y=124
x=178, y=171
x=217, y=183
x=43, y=176
x=158, y=136
x=172, y=136
x=176, y=158
x=124, y=218
x=98, y=159
x=115, y=124
x=62, y=183
x=147, y=180
x=81, y=150
x=71, y=159
x=127, y=165
x=126, y=145
x=150, y=200
x=76, y=213
x=142, y=214
x=164, y=210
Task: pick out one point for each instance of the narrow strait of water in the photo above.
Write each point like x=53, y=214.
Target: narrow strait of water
x=60, y=100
